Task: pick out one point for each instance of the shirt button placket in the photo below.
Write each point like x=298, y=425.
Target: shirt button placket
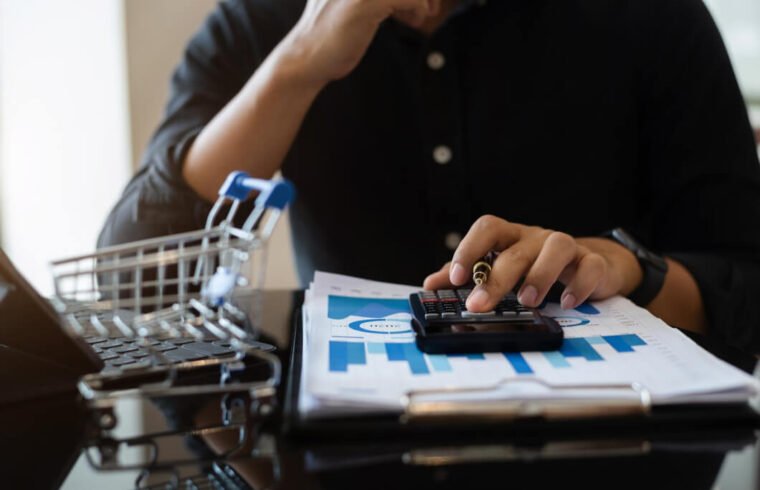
x=452, y=240
x=436, y=60
x=442, y=154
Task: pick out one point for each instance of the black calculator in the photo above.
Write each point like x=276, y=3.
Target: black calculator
x=443, y=324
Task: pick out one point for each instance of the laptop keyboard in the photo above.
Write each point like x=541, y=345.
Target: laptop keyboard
x=127, y=353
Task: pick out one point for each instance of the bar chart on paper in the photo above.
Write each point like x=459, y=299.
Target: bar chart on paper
x=345, y=353
x=360, y=354
x=372, y=333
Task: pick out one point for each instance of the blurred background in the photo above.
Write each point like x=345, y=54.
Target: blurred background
x=83, y=85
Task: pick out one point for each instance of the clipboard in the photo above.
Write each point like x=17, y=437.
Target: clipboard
x=514, y=418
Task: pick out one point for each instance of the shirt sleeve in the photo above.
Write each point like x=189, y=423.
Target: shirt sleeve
x=702, y=168
x=217, y=62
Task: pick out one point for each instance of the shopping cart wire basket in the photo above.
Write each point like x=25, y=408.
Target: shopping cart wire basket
x=174, y=287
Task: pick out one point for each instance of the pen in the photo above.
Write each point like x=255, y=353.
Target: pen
x=482, y=269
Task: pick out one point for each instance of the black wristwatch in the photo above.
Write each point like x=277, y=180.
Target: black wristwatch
x=653, y=266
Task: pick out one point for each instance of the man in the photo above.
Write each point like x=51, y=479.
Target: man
x=544, y=123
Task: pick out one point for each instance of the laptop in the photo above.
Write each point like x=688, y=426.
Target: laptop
x=39, y=357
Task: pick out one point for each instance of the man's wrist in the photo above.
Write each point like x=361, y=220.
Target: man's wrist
x=288, y=67
x=623, y=263
x=654, y=268
x=292, y=63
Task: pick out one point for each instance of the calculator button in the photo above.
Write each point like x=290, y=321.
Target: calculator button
x=449, y=314
x=518, y=315
x=473, y=314
x=431, y=316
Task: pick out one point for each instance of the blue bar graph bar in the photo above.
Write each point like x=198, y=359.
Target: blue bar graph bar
x=618, y=343
x=579, y=348
x=518, y=362
x=342, y=354
x=416, y=359
x=587, y=309
x=355, y=353
x=633, y=339
x=410, y=353
x=624, y=343
x=338, y=356
x=556, y=359
x=439, y=362
x=395, y=352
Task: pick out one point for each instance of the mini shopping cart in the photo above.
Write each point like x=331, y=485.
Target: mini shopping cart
x=179, y=288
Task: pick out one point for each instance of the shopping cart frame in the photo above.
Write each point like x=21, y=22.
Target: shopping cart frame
x=177, y=287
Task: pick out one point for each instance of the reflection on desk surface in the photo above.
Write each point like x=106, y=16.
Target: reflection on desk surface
x=42, y=446
x=265, y=460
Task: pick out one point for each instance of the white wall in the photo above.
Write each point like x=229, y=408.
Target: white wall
x=739, y=23
x=64, y=137
x=82, y=87
x=64, y=144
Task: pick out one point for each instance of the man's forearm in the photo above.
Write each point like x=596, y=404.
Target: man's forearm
x=255, y=129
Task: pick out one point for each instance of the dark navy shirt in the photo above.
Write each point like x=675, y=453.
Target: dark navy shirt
x=574, y=115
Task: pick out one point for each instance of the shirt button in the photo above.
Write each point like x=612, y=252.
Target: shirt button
x=435, y=60
x=452, y=240
x=442, y=154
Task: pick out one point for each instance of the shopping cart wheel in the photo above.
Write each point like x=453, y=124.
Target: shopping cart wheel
x=105, y=418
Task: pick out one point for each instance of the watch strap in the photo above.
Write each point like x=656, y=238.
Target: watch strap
x=651, y=284
x=654, y=267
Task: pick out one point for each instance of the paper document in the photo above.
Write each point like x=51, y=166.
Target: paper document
x=359, y=355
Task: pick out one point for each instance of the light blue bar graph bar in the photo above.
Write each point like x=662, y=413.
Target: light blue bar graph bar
x=375, y=347
x=556, y=359
x=475, y=356
x=596, y=340
x=439, y=362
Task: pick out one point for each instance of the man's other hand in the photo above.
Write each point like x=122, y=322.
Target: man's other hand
x=332, y=36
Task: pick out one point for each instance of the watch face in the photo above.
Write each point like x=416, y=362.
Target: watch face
x=627, y=240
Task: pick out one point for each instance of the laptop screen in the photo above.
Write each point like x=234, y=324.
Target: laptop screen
x=29, y=323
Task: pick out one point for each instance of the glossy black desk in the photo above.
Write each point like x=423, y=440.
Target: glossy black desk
x=42, y=447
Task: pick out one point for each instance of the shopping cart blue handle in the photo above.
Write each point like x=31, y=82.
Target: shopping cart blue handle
x=273, y=193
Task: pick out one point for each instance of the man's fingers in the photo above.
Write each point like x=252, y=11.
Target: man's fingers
x=590, y=271
x=559, y=250
x=508, y=267
x=438, y=280
x=487, y=234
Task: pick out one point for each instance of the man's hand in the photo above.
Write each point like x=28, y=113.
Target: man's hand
x=594, y=268
x=332, y=36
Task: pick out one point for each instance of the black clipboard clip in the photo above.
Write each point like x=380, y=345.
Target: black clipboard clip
x=486, y=404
